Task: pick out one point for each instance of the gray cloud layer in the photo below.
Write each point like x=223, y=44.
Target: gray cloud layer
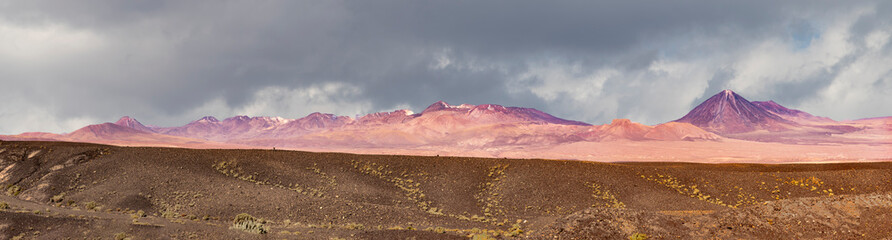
x=67, y=64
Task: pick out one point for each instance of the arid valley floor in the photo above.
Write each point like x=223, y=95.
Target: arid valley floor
x=59, y=190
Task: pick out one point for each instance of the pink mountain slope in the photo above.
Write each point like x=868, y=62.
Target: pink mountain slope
x=441, y=123
x=477, y=125
x=244, y=127
x=623, y=129
x=729, y=113
x=111, y=133
x=812, y=123
x=32, y=136
x=881, y=122
x=381, y=118
x=104, y=131
x=319, y=121
x=127, y=121
x=490, y=129
x=789, y=114
x=203, y=128
x=442, y=117
x=674, y=131
x=500, y=114
x=492, y=113
x=239, y=125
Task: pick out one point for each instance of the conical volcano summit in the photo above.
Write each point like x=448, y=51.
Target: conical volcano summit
x=727, y=112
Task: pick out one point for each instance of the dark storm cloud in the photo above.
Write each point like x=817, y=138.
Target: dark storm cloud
x=168, y=62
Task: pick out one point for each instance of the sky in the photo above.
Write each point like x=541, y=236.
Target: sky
x=67, y=64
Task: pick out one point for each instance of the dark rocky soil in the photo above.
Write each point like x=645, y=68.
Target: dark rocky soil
x=58, y=190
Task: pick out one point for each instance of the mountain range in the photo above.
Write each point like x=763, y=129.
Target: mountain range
x=724, y=117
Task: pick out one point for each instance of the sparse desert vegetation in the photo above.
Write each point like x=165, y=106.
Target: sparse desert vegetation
x=604, y=196
x=13, y=190
x=248, y=223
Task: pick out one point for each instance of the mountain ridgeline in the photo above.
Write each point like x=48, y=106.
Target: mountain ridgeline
x=725, y=115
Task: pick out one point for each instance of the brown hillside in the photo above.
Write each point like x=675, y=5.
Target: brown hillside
x=59, y=189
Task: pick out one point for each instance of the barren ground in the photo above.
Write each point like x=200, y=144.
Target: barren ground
x=58, y=190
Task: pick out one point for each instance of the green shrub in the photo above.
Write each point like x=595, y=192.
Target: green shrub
x=90, y=205
x=515, y=230
x=638, y=236
x=18, y=237
x=249, y=224
x=4, y=205
x=57, y=198
x=138, y=214
x=482, y=236
x=122, y=236
x=168, y=214
x=13, y=190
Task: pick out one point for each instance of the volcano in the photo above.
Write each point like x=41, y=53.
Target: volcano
x=729, y=113
x=127, y=121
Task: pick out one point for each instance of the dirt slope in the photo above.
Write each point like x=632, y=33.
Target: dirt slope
x=302, y=195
